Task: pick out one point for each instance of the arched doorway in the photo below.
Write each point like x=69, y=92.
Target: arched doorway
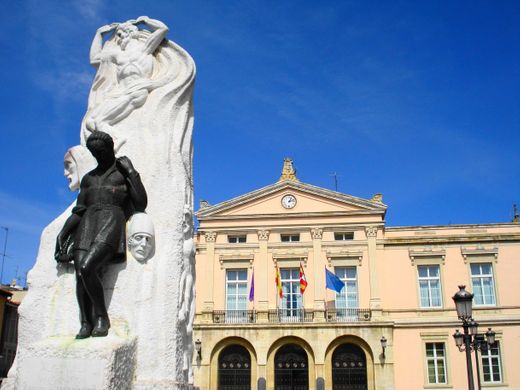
x=349, y=368
x=291, y=368
x=234, y=368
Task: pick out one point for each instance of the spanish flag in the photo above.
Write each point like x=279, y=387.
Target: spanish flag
x=303, y=280
x=279, y=283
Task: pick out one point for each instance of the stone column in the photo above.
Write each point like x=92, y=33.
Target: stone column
x=375, y=299
x=319, y=277
x=207, y=306
x=262, y=277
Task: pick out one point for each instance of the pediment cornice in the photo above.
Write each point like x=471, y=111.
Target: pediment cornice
x=365, y=206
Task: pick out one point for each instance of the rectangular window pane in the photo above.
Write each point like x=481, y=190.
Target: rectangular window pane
x=483, y=284
x=344, y=236
x=436, y=362
x=292, y=300
x=237, y=239
x=430, y=294
x=348, y=297
x=491, y=365
x=236, y=289
x=290, y=237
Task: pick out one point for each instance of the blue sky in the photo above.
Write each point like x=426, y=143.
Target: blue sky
x=417, y=100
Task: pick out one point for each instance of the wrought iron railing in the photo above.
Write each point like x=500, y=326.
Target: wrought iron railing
x=290, y=315
x=234, y=316
x=348, y=315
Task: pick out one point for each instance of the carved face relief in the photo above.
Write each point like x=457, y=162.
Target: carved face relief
x=141, y=233
x=71, y=172
x=141, y=246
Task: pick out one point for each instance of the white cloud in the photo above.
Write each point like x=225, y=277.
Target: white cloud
x=89, y=9
x=65, y=84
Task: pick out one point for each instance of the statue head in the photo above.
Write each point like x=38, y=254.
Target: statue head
x=124, y=33
x=77, y=162
x=101, y=146
x=141, y=236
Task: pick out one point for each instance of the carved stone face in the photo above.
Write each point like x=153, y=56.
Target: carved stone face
x=141, y=246
x=71, y=172
x=141, y=233
x=124, y=34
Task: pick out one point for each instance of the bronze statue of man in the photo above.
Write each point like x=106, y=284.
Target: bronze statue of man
x=108, y=195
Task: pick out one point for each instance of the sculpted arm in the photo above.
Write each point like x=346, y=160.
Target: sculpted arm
x=96, y=49
x=134, y=183
x=159, y=31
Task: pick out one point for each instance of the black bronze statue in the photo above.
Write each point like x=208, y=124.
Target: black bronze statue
x=95, y=232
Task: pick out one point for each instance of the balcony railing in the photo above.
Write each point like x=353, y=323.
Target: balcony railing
x=348, y=315
x=291, y=315
x=282, y=316
x=234, y=316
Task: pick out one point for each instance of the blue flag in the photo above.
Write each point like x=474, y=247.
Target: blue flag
x=333, y=282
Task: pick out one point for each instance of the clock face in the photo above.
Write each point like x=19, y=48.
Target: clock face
x=289, y=201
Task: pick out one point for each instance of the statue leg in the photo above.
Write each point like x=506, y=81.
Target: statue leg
x=84, y=302
x=95, y=258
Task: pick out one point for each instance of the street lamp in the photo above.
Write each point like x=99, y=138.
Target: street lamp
x=471, y=339
x=383, y=345
x=198, y=349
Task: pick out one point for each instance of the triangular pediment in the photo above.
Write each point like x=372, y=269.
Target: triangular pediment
x=309, y=199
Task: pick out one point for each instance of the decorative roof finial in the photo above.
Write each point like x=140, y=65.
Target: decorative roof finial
x=288, y=171
x=378, y=198
x=516, y=217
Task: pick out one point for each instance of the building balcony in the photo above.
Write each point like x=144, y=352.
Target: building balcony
x=348, y=315
x=234, y=316
x=283, y=316
x=290, y=315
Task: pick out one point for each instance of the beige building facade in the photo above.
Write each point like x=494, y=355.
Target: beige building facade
x=397, y=289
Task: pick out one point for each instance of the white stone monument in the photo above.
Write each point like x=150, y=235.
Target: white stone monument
x=142, y=97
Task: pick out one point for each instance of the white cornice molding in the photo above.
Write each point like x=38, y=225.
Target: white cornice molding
x=427, y=253
x=479, y=251
x=291, y=254
x=343, y=254
x=236, y=258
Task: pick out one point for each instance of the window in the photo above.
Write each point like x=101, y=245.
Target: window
x=347, y=299
x=344, y=236
x=491, y=366
x=483, y=284
x=290, y=237
x=429, y=285
x=436, y=362
x=236, y=291
x=236, y=239
x=292, y=299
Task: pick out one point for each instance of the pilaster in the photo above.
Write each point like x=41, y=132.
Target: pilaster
x=210, y=238
x=319, y=275
x=262, y=298
x=375, y=298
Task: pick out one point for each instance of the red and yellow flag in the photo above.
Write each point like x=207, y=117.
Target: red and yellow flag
x=279, y=283
x=303, y=280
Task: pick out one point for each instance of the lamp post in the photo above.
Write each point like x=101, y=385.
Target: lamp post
x=3, y=254
x=470, y=340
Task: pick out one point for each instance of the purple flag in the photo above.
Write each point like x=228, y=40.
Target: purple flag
x=252, y=289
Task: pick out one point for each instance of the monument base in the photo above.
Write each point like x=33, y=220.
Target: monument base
x=60, y=363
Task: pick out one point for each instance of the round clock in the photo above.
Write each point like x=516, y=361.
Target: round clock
x=289, y=201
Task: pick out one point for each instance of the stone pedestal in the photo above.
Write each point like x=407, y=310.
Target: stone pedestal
x=65, y=363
